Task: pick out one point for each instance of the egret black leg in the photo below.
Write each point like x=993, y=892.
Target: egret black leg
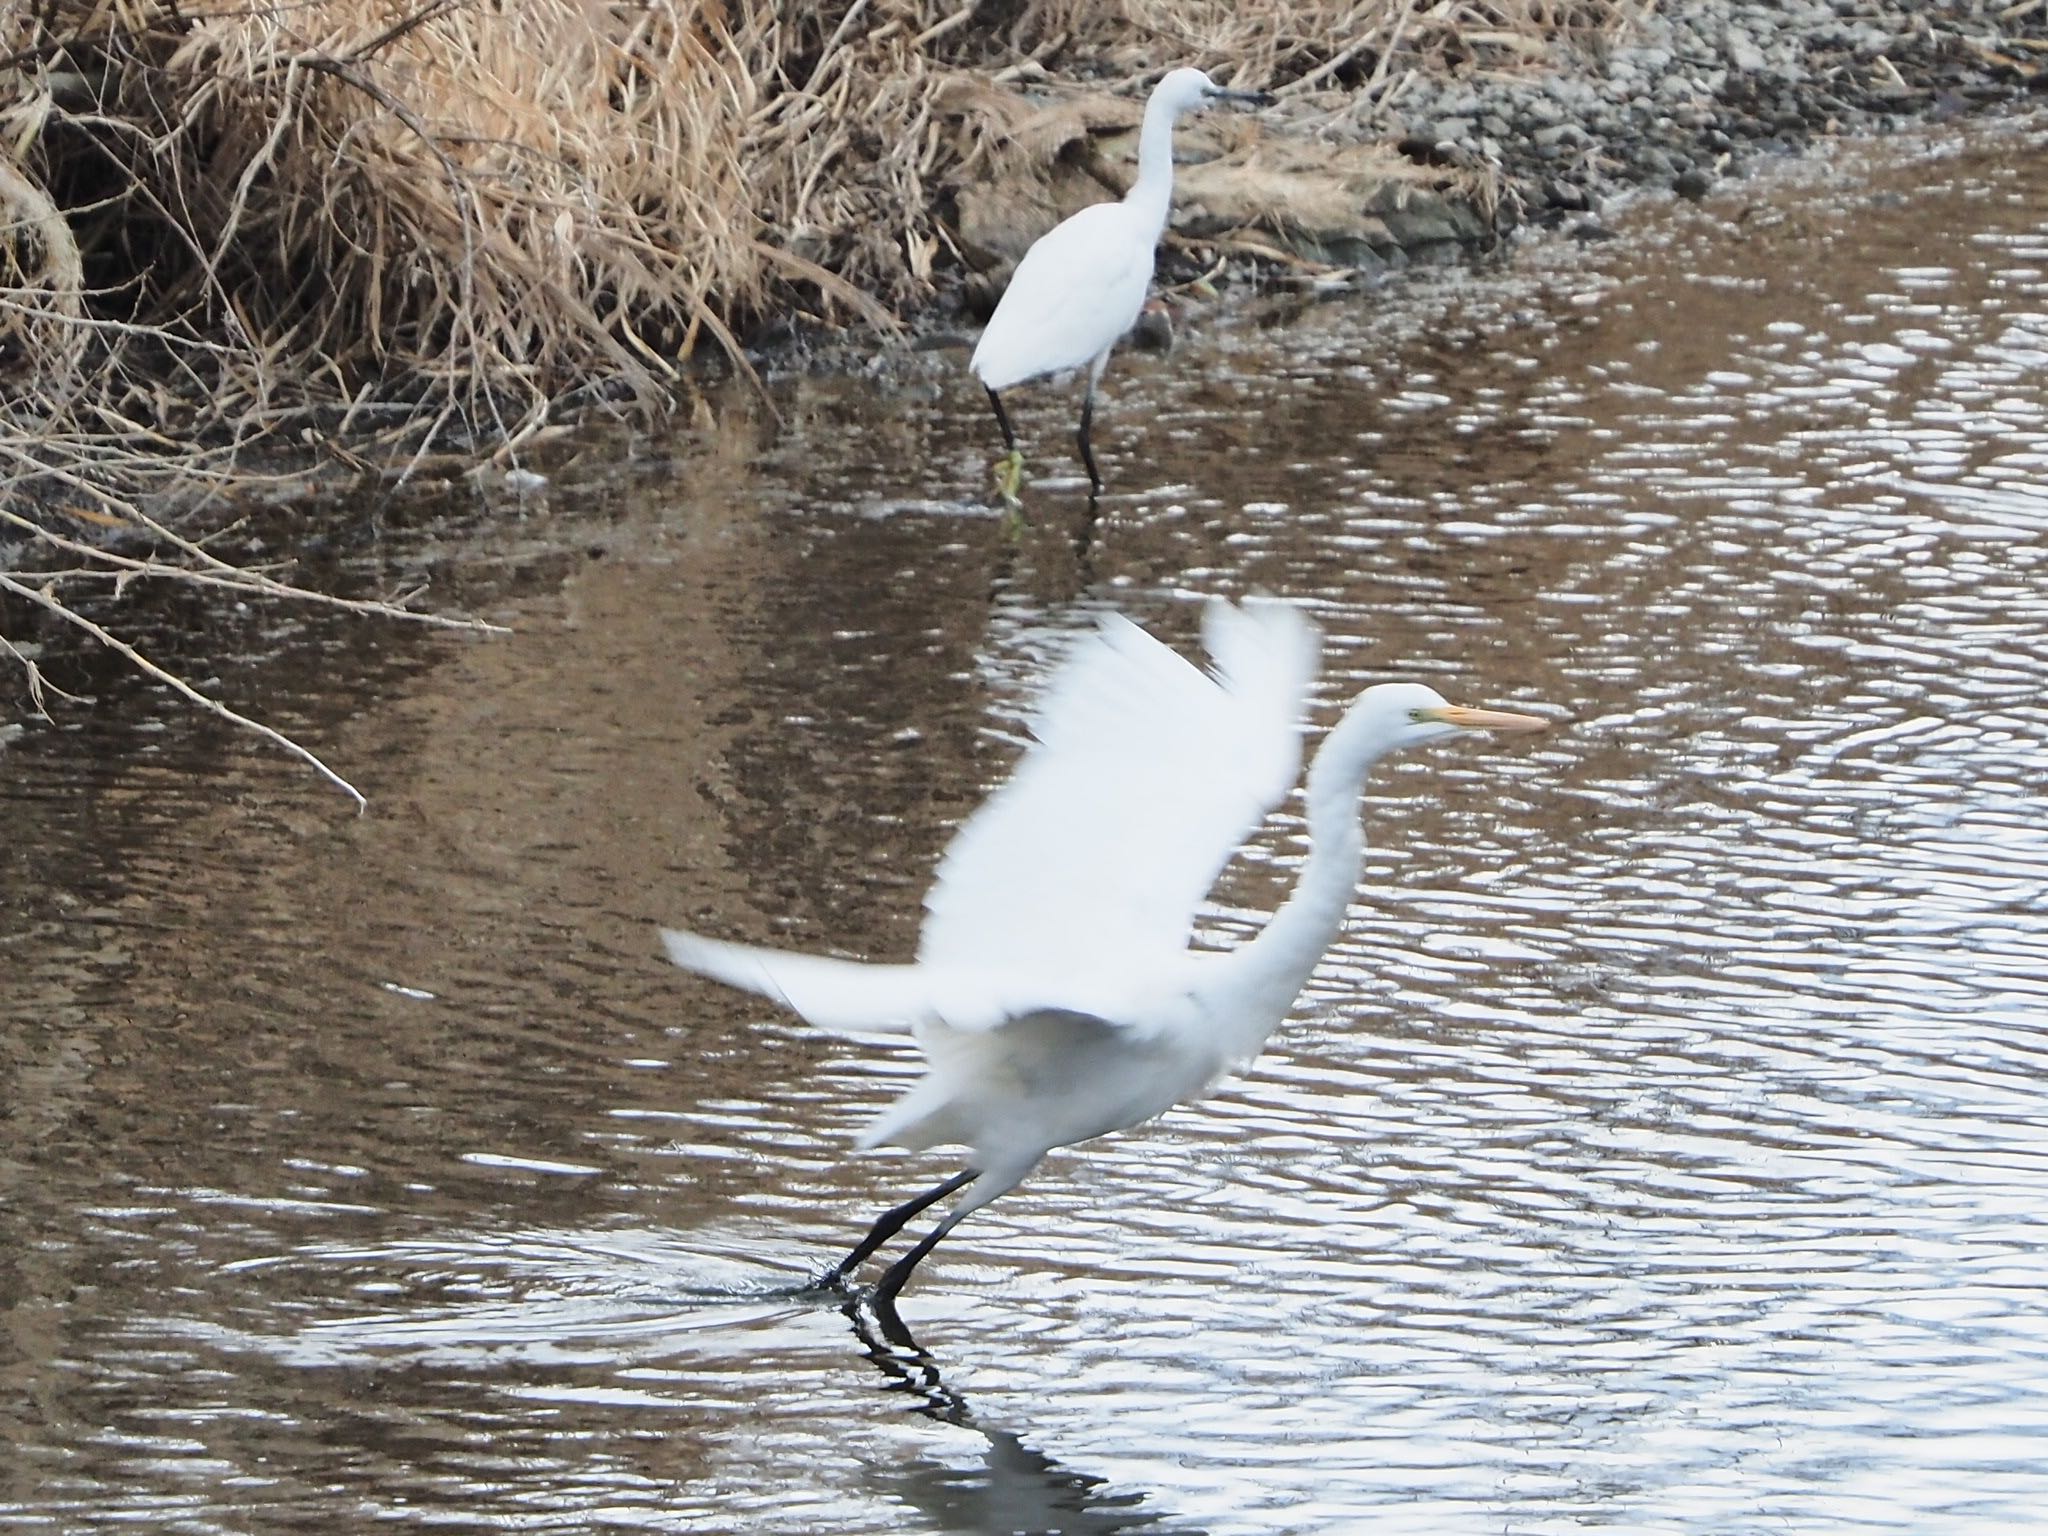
x=1087, y=449
x=1009, y=469
x=891, y=1221
x=1002, y=420
x=892, y=1281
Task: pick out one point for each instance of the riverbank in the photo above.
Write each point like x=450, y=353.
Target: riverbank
x=1506, y=130
x=1692, y=93
x=326, y=228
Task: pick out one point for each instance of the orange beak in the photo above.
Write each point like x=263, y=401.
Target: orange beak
x=1485, y=719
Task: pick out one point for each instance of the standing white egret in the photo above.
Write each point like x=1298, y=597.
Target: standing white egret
x=1082, y=283
x=1054, y=993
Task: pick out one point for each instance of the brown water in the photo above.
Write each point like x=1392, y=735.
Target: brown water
x=1664, y=1148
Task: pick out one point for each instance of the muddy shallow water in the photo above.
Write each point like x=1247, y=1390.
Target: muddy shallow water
x=1664, y=1147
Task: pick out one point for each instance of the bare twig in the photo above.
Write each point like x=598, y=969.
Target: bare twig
x=241, y=578
x=212, y=706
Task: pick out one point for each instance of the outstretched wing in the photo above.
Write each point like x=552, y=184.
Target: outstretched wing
x=853, y=997
x=1145, y=777
x=846, y=997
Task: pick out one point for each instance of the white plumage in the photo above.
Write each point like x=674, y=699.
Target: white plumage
x=1146, y=775
x=1075, y=294
x=1082, y=284
x=1054, y=994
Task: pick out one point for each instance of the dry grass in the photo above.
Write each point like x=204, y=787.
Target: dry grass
x=384, y=227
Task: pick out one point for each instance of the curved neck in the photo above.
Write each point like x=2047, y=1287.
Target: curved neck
x=1308, y=922
x=1151, y=195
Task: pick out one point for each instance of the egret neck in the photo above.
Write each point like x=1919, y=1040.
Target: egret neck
x=1286, y=950
x=1151, y=195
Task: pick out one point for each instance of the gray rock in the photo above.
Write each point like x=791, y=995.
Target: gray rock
x=1415, y=227
x=1416, y=216
x=1743, y=53
x=1692, y=184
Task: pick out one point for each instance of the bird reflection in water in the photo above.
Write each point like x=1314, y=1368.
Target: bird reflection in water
x=1016, y=1488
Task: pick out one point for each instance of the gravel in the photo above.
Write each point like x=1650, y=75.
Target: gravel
x=1702, y=85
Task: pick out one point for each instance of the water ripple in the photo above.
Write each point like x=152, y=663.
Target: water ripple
x=1662, y=1146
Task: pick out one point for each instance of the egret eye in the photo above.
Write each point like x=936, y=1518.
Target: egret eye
x=1419, y=716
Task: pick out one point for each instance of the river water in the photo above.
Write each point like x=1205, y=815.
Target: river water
x=1663, y=1148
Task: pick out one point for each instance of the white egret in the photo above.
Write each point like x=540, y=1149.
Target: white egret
x=1082, y=284
x=1054, y=994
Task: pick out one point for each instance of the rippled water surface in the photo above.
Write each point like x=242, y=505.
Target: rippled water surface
x=1662, y=1149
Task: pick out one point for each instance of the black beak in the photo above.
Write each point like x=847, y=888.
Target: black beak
x=1246, y=98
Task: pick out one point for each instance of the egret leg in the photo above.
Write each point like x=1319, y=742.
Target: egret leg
x=1009, y=468
x=1087, y=450
x=892, y=1280
x=1001, y=1181
x=1003, y=420
x=891, y=1221
x=1088, y=420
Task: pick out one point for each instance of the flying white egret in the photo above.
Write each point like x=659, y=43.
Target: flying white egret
x=1054, y=993
x=1082, y=284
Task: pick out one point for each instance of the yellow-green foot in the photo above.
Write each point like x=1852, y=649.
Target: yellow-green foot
x=1009, y=474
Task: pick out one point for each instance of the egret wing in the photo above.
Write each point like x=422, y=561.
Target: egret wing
x=1074, y=293
x=861, y=998
x=847, y=997
x=1145, y=776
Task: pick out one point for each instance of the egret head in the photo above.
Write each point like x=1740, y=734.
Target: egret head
x=1413, y=713
x=1185, y=90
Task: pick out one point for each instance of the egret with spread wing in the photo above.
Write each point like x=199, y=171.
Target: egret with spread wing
x=1082, y=283
x=1054, y=994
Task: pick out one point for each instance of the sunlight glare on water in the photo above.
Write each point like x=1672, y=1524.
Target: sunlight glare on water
x=1662, y=1147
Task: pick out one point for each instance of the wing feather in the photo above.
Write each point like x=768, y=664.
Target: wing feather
x=847, y=997
x=1145, y=776
x=1075, y=292
x=862, y=999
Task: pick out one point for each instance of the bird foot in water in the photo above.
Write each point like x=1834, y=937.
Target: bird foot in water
x=833, y=1280
x=1009, y=475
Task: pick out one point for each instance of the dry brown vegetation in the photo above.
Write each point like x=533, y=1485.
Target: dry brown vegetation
x=376, y=228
